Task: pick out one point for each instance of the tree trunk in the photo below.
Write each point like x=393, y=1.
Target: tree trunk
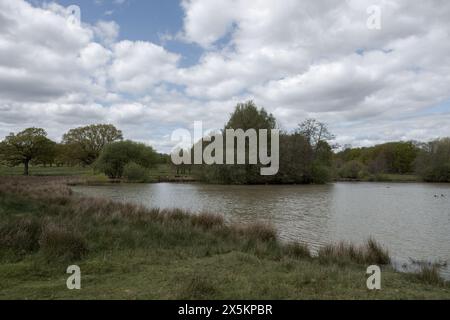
x=26, y=170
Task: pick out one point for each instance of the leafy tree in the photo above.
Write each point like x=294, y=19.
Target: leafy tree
x=353, y=169
x=300, y=160
x=117, y=155
x=248, y=116
x=392, y=157
x=433, y=162
x=86, y=143
x=296, y=159
x=26, y=146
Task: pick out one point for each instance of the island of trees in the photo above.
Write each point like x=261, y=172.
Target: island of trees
x=306, y=154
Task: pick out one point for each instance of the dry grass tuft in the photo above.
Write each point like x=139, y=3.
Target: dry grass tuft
x=369, y=253
x=59, y=242
x=21, y=236
x=297, y=250
x=208, y=221
x=258, y=231
x=430, y=275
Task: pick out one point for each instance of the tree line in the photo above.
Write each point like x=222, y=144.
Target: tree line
x=306, y=154
x=100, y=146
x=430, y=161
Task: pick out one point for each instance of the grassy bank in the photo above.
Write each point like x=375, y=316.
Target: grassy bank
x=130, y=252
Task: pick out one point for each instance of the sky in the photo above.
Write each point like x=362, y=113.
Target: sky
x=150, y=67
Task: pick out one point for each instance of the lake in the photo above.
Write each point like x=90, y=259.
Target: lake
x=411, y=219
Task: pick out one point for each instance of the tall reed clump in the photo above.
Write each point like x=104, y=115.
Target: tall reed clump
x=369, y=253
x=430, y=275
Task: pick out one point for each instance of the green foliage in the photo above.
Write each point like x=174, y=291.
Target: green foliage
x=305, y=155
x=86, y=143
x=353, y=169
x=248, y=116
x=117, y=155
x=136, y=173
x=388, y=158
x=29, y=145
x=433, y=162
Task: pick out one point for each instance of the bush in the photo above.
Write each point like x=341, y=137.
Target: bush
x=352, y=170
x=134, y=172
x=117, y=155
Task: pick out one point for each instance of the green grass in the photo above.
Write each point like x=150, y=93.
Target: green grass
x=47, y=171
x=129, y=252
x=159, y=173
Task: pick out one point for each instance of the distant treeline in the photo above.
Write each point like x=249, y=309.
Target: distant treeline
x=430, y=161
x=100, y=146
x=306, y=155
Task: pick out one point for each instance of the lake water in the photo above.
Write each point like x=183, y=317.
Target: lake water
x=411, y=219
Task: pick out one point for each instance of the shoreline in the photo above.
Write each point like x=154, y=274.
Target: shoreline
x=170, y=254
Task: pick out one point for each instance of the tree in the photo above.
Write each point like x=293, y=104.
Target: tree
x=26, y=146
x=248, y=116
x=115, y=156
x=315, y=131
x=353, y=169
x=433, y=162
x=86, y=143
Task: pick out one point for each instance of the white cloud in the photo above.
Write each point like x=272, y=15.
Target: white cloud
x=107, y=31
x=295, y=58
x=138, y=66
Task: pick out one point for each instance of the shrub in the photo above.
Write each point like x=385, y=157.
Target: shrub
x=117, y=155
x=134, y=172
x=352, y=170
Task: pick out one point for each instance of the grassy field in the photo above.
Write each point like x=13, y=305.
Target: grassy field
x=47, y=171
x=129, y=252
x=159, y=173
